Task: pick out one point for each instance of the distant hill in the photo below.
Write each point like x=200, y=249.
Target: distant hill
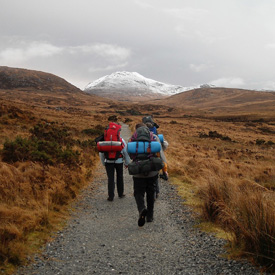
x=222, y=99
x=129, y=86
x=12, y=78
x=41, y=88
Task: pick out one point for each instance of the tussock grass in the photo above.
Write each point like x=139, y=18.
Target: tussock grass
x=232, y=180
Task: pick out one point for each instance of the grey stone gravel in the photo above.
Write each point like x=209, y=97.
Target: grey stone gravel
x=103, y=237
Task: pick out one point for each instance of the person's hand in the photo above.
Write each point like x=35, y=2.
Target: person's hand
x=126, y=166
x=164, y=175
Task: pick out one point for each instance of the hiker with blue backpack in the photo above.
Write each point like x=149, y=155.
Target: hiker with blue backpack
x=148, y=121
x=148, y=158
x=113, y=153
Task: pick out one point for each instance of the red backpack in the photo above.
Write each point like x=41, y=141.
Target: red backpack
x=112, y=144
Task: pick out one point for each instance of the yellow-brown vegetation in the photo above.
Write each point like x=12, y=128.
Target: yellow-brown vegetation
x=226, y=170
x=221, y=159
x=35, y=194
x=233, y=176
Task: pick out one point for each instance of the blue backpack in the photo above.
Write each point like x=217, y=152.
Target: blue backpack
x=142, y=149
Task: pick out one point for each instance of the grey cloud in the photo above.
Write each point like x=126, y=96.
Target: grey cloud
x=179, y=42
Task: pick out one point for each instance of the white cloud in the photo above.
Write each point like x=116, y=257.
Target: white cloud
x=269, y=85
x=104, y=50
x=198, y=68
x=170, y=41
x=10, y=56
x=143, y=4
x=107, y=50
x=270, y=46
x=230, y=82
x=107, y=68
x=190, y=14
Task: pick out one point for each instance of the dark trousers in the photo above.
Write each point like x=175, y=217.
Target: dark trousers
x=157, y=186
x=110, y=169
x=142, y=186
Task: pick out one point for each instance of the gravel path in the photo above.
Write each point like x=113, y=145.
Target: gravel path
x=103, y=237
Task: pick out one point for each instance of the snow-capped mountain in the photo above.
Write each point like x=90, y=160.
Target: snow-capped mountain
x=132, y=84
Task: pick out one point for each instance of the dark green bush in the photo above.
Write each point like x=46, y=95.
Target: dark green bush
x=87, y=143
x=51, y=133
x=18, y=150
x=92, y=132
x=270, y=143
x=69, y=157
x=42, y=156
x=45, y=145
x=113, y=118
x=127, y=120
x=260, y=141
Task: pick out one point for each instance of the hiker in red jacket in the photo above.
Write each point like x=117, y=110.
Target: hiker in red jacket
x=113, y=160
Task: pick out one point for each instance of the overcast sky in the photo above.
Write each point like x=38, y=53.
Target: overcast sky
x=228, y=43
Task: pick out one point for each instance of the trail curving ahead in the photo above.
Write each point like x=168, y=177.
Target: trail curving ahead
x=103, y=237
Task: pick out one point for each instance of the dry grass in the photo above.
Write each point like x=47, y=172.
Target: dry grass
x=230, y=179
x=35, y=197
x=233, y=181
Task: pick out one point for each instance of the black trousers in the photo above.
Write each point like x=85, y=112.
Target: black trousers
x=146, y=186
x=111, y=168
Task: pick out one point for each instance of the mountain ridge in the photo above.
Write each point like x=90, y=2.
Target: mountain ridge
x=222, y=99
x=123, y=85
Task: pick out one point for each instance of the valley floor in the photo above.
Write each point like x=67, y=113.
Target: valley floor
x=103, y=237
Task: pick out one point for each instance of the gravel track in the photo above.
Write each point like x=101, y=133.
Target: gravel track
x=103, y=237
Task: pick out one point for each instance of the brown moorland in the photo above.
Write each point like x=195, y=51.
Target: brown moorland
x=225, y=100
x=221, y=161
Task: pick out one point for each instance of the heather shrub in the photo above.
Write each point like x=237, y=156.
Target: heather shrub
x=43, y=146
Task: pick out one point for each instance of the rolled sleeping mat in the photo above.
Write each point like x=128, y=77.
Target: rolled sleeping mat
x=160, y=137
x=142, y=147
x=110, y=146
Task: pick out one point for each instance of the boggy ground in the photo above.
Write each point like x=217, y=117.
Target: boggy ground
x=103, y=237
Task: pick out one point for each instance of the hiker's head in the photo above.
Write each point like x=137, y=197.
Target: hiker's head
x=140, y=125
x=149, y=125
x=147, y=119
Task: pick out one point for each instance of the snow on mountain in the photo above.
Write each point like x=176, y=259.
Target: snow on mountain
x=132, y=84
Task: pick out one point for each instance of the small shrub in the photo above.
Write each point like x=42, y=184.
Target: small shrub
x=42, y=157
x=52, y=133
x=260, y=141
x=113, y=118
x=203, y=135
x=214, y=134
x=18, y=150
x=127, y=120
x=69, y=157
x=133, y=112
x=92, y=132
x=87, y=143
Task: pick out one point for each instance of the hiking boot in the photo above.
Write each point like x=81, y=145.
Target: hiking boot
x=122, y=196
x=110, y=199
x=142, y=215
x=149, y=219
